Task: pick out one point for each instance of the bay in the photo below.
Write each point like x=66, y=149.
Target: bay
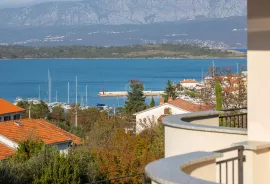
x=23, y=77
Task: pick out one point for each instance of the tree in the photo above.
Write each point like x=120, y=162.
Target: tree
x=218, y=91
x=58, y=113
x=233, y=88
x=135, y=100
x=40, y=110
x=152, y=103
x=170, y=91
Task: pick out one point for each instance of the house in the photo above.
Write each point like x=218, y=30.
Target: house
x=213, y=147
x=13, y=132
x=9, y=111
x=152, y=115
x=189, y=83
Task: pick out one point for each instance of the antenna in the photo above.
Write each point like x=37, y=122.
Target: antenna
x=68, y=93
x=76, y=106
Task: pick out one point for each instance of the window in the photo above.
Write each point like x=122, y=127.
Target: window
x=0, y=119
x=17, y=116
x=7, y=118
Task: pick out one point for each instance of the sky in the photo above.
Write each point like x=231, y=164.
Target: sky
x=16, y=3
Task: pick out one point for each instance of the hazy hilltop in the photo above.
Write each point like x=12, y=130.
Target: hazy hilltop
x=117, y=12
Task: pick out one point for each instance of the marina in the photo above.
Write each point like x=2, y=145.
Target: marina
x=30, y=79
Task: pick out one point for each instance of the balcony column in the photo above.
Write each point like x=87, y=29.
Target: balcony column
x=259, y=70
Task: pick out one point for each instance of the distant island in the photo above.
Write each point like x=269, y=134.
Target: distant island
x=134, y=51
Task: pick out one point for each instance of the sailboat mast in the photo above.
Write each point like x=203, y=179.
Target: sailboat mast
x=49, y=86
x=202, y=75
x=86, y=98
x=39, y=92
x=68, y=94
x=213, y=68
x=56, y=100
x=237, y=68
x=76, y=105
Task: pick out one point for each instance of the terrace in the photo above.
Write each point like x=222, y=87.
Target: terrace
x=225, y=147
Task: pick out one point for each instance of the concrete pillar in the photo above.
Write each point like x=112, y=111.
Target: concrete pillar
x=258, y=70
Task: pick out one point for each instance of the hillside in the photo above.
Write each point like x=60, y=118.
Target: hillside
x=117, y=12
x=137, y=51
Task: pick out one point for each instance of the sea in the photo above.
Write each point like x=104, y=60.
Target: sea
x=23, y=78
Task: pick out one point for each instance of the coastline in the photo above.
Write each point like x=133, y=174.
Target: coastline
x=123, y=58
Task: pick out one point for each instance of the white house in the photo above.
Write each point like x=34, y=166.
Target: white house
x=8, y=111
x=189, y=83
x=148, y=117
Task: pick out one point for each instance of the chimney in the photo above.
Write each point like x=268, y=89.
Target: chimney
x=161, y=101
x=170, y=99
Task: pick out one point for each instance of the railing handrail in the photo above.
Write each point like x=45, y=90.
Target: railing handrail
x=235, y=109
x=231, y=149
x=230, y=115
x=240, y=158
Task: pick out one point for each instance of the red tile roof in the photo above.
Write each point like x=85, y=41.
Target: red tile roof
x=189, y=81
x=5, y=151
x=43, y=130
x=7, y=107
x=188, y=106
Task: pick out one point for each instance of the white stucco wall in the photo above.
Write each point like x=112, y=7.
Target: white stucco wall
x=181, y=141
x=153, y=115
x=189, y=85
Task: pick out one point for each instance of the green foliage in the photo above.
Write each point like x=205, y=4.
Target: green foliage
x=37, y=110
x=48, y=165
x=135, y=51
x=152, y=103
x=58, y=113
x=29, y=148
x=135, y=100
x=170, y=91
x=218, y=90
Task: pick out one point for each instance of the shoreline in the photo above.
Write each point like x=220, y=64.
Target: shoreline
x=122, y=58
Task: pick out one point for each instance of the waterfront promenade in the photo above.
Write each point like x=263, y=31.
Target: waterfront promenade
x=125, y=93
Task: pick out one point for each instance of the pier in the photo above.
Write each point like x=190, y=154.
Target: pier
x=125, y=93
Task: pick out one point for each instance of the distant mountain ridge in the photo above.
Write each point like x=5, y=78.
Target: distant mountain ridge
x=118, y=12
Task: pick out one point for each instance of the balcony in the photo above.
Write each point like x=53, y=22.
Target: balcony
x=210, y=147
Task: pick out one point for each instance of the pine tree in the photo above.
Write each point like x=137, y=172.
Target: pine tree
x=170, y=91
x=218, y=90
x=152, y=103
x=135, y=100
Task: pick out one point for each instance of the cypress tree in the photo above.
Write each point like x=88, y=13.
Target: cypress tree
x=170, y=91
x=218, y=90
x=135, y=100
x=152, y=103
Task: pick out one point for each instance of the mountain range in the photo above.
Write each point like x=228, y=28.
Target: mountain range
x=117, y=12
x=211, y=23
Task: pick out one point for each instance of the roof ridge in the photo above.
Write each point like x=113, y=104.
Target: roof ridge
x=37, y=120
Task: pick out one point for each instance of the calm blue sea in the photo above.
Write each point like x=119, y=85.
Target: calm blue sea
x=23, y=77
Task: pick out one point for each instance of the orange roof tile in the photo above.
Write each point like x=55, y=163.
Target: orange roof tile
x=43, y=130
x=189, y=81
x=5, y=151
x=7, y=107
x=188, y=106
